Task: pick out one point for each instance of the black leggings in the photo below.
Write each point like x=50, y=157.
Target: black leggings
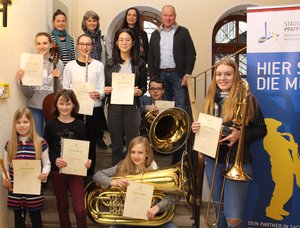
x=35, y=217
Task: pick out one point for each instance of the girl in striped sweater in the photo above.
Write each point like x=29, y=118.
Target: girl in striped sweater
x=25, y=143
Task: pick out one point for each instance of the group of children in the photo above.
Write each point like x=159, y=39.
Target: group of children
x=25, y=143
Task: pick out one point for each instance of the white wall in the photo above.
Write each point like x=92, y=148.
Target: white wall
x=26, y=18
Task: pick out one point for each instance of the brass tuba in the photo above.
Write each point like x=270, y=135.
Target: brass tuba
x=168, y=130
x=105, y=206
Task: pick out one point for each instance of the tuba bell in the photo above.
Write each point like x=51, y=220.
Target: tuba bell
x=168, y=130
x=105, y=206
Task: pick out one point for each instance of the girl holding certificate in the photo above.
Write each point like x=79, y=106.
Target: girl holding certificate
x=123, y=119
x=36, y=94
x=25, y=143
x=65, y=125
x=85, y=69
x=139, y=158
x=61, y=37
x=221, y=101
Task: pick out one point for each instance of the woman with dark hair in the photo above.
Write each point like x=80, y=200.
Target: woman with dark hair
x=124, y=120
x=132, y=21
x=61, y=37
x=91, y=26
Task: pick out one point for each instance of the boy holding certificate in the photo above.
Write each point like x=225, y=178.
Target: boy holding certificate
x=138, y=159
x=65, y=125
x=25, y=144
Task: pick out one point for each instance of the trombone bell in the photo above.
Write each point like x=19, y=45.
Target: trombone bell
x=237, y=173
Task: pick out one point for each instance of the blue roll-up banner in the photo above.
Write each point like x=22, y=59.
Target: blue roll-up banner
x=273, y=66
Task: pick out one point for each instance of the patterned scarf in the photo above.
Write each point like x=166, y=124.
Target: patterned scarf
x=219, y=101
x=63, y=33
x=97, y=50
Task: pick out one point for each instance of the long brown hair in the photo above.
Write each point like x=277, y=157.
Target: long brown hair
x=32, y=136
x=230, y=104
x=127, y=166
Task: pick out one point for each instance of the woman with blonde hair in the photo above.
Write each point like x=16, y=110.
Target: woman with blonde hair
x=139, y=158
x=222, y=101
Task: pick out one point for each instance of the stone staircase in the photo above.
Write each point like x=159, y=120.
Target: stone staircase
x=50, y=216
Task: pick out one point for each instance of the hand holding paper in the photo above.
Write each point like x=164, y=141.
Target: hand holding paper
x=138, y=200
x=26, y=177
x=32, y=64
x=75, y=154
x=207, y=138
x=123, y=88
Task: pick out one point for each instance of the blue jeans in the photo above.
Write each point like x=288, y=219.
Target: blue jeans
x=173, y=89
x=166, y=225
x=38, y=117
x=235, y=193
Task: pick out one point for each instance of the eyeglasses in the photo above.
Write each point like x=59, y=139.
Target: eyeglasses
x=155, y=89
x=85, y=44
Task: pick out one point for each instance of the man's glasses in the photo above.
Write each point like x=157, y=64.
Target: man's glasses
x=85, y=44
x=155, y=89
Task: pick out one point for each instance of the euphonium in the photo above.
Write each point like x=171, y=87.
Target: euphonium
x=105, y=206
x=168, y=130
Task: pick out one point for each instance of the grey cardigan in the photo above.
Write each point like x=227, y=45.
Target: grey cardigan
x=103, y=177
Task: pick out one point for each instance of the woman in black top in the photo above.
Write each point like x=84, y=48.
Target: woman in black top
x=124, y=120
x=132, y=21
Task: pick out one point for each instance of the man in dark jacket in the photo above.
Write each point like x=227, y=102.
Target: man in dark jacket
x=172, y=56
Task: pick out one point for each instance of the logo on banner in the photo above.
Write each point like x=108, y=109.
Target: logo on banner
x=285, y=164
x=268, y=35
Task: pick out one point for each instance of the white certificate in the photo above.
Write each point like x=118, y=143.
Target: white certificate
x=138, y=200
x=164, y=105
x=122, y=88
x=86, y=103
x=26, y=177
x=207, y=138
x=75, y=153
x=32, y=64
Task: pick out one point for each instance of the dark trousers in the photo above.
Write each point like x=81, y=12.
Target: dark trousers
x=61, y=184
x=123, y=121
x=35, y=217
x=95, y=125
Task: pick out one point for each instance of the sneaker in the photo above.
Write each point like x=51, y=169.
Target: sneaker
x=102, y=144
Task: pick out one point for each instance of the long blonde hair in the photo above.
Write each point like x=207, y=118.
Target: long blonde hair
x=127, y=166
x=32, y=136
x=230, y=104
